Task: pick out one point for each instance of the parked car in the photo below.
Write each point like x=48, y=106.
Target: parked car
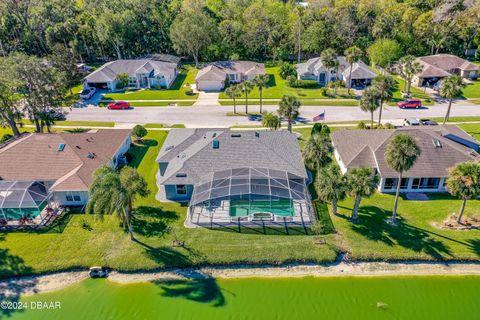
x=119, y=105
x=410, y=103
x=57, y=115
x=87, y=93
x=428, y=122
x=97, y=272
x=411, y=122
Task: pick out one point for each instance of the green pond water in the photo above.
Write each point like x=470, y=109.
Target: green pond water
x=448, y=297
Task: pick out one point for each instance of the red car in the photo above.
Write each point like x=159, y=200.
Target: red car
x=119, y=105
x=410, y=103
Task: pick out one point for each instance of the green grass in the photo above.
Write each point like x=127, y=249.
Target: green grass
x=160, y=125
x=161, y=103
x=78, y=123
x=472, y=129
x=305, y=102
x=176, y=92
x=472, y=90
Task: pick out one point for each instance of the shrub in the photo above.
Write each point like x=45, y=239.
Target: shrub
x=388, y=125
x=361, y=125
x=324, y=92
x=139, y=131
x=286, y=69
x=306, y=84
x=291, y=80
x=189, y=92
x=6, y=137
x=320, y=128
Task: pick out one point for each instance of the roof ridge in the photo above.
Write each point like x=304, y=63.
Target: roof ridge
x=358, y=153
x=68, y=175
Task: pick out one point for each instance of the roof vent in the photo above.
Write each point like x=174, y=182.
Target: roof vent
x=214, y=134
x=91, y=155
x=437, y=143
x=215, y=144
x=235, y=135
x=61, y=147
x=181, y=175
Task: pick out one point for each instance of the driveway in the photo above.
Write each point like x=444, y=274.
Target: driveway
x=207, y=99
x=216, y=116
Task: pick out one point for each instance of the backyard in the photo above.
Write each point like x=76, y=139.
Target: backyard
x=472, y=91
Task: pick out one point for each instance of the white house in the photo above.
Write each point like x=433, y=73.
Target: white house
x=314, y=69
x=214, y=76
x=143, y=73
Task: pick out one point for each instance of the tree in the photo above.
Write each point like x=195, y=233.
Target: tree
x=261, y=81
x=9, y=99
x=383, y=52
x=361, y=183
x=370, y=102
x=289, y=108
x=122, y=80
x=286, y=69
x=139, y=132
x=246, y=87
x=234, y=92
x=318, y=151
x=271, y=121
x=192, y=31
x=409, y=67
x=352, y=55
x=384, y=86
x=331, y=186
x=401, y=154
x=320, y=128
x=115, y=191
x=330, y=62
x=64, y=61
x=451, y=88
x=464, y=182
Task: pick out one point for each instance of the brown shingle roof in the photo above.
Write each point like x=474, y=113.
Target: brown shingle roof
x=37, y=157
x=358, y=148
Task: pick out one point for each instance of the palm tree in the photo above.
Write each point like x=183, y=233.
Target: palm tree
x=328, y=57
x=271, y=121
x=318, y=150
x=115, y=191
x=261, y=81
x=370, y=102
x=361, y=183
x=288, y=108
x=451, y=88
x=384, y=86
x=409, y=67
x=233, y=92
x=246, y=87
x=352, y=55
x=464, y=182
x=331, y=186
x=400, y=155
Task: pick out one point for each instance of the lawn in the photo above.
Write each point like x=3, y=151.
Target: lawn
x=161, y=103
x=305, y=102
x=278, y=87
x=176, y=92
x=472, y=90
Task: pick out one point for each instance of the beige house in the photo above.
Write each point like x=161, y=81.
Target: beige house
x=438, y=66
x=214, y=76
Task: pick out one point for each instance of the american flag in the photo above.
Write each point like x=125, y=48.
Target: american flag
x=321, y=116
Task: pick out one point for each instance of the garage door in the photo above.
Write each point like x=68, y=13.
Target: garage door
x=209, y=85
x=98, y=85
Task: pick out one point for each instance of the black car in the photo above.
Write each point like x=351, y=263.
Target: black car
x=428, y=122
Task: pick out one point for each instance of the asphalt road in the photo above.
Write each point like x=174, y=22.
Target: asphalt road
x=215, y=116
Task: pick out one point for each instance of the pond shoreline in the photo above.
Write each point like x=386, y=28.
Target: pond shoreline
x=29, y=285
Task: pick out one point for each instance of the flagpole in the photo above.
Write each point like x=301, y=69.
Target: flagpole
x=324, y=115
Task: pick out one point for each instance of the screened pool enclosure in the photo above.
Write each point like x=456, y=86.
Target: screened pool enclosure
x=250, y=195
x=23, y=199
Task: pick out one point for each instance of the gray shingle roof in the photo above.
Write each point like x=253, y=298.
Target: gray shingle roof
x=438, y=65
x=219, y=70
x=190, y=151
x=359, y=71
x=366, y=148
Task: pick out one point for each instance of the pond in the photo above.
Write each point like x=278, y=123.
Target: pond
x=442, y=297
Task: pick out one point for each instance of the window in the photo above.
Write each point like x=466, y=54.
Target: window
x=73, y=196
x=391, y=183
x=426, y=183
x=181, y=189
x=232, y=77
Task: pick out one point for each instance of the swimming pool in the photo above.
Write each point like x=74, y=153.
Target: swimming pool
x=245, y=208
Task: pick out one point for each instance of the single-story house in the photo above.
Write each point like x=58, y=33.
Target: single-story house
x=442, y=147
x=143, y=73
x=438, y=66
x=231, y=176
x=314, y=69
x=214, y=76
x=42, y=172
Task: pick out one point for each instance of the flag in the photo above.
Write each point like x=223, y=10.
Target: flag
x=321, y=116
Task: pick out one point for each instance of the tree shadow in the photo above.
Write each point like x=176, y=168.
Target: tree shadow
x=165, y=256
x=373, y=225
x=138, y=151
x=152, y=221
x=197, y=287
x=12, y=289
x=475, y=246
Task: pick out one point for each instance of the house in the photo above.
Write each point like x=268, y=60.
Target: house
x=41, y=171
x=164, y=58
x=314, y=69
x=438, y=66
x=231, y=176
x=214, y=76
x=442, y=147
x=143, y=73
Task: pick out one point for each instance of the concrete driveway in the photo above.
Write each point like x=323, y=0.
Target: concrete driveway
x=215, y=116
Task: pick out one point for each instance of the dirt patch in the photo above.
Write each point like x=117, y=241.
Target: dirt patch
x=451, y=223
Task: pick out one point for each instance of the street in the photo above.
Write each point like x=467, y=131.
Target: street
x=216, y=116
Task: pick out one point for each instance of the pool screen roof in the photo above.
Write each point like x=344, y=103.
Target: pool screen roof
x=250, y=181
x=22, y=194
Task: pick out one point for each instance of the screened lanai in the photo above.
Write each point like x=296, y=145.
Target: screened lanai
x=250, y=194
x=23, y=199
